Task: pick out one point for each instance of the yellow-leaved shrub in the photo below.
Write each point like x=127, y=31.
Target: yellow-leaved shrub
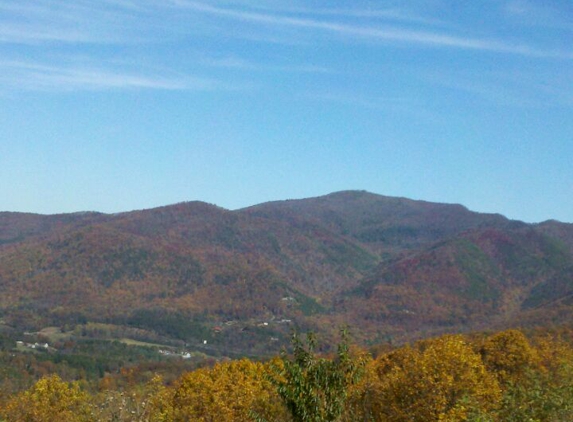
x=50, y=400
x=438, y=380
x=509, y=355
x=232, y=391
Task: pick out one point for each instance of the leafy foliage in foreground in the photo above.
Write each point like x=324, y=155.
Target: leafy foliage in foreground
x=431, y=381
x=314, y=389
x=504, y=376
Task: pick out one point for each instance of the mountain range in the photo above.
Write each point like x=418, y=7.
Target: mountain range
x=392, y=269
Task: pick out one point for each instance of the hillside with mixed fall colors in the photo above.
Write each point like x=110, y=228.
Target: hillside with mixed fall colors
x=392, y=268
x=502, y=376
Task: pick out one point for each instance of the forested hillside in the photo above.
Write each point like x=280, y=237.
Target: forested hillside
x=393, y=268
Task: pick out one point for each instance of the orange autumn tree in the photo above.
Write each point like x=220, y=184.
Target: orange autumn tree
x=231, y=392
x=509, y=354
x=438, y=380
x=537, y=376
x=50, y=400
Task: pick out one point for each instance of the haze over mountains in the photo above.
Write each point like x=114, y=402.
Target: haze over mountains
x=390, y=268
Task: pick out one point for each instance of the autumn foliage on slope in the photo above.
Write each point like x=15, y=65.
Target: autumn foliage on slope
x=390, y=267
x=504, y=376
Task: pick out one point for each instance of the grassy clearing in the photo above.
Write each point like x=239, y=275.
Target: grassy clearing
x=54, y=334
x=131, y=342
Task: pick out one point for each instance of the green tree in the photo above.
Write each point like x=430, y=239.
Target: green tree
x=313, y=388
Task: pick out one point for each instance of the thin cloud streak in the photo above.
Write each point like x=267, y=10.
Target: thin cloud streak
x=246, y=65
x=119, y=21
x=394, y=14
x=27, y=34
x=21, y=75
x=68, y=22
x=383, y=34
x=380, y=14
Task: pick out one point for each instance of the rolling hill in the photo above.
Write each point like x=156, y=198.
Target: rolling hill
x=391, y=268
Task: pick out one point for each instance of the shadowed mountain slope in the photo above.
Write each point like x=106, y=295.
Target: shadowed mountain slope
x=383, y=224
x=480, y=279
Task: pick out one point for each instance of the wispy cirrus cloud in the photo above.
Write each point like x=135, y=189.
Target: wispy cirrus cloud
x=373, y=13
x=22, y=75
x=72, y=22
x=120, y=21
x=394, y=15
x=17, y=33
x=233, y=62
x=381, y=33
x=129, y=26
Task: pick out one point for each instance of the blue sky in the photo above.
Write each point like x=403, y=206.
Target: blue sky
x=115, y=105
